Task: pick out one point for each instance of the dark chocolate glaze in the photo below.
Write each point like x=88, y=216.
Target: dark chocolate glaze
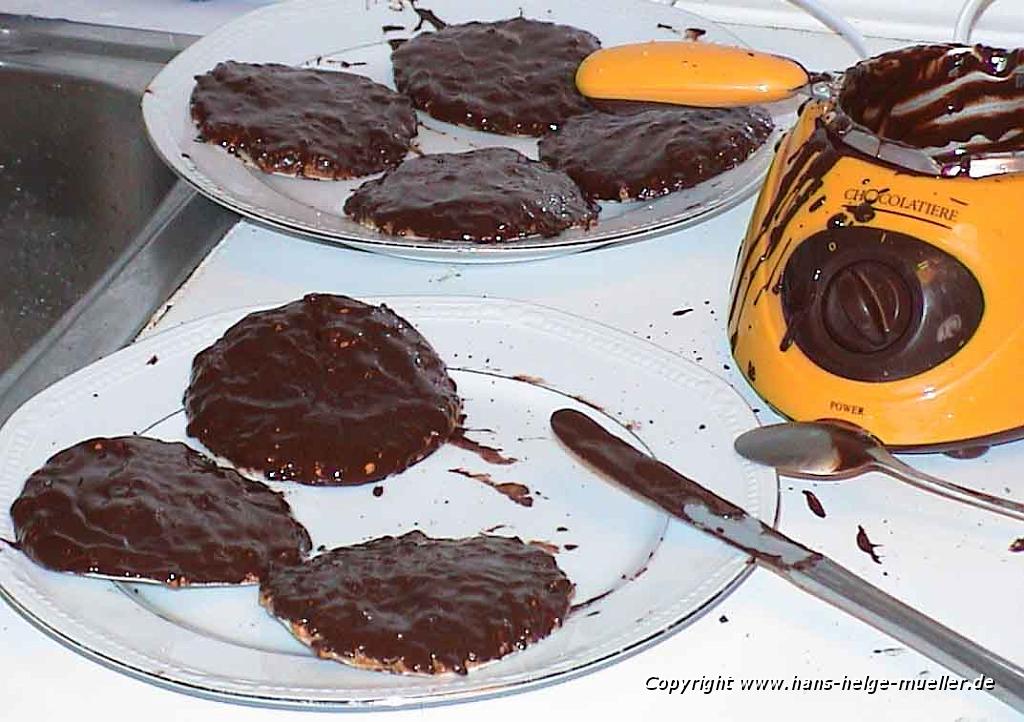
x=421, y=605
x=490, y=454
x=141, y=508
x=515, y=77
x=931, y=96
x=488, y=195
x=519, y=493
x=642, y=155
x=323, y=390
x=814, y=504
x=865, y=545
x=303, y=122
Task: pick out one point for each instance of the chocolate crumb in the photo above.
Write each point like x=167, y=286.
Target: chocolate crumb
x=152, y=360
x=814, y=504
x=1017, y=546
x=865, y=545
x=378, y=491
x=682, y=311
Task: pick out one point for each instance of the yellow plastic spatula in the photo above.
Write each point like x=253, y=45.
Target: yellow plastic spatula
x=689, y=73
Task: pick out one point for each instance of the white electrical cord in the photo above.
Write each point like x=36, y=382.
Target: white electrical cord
x=836, y=23
x=969, y=14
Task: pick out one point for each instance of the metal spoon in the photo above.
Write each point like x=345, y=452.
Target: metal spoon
x=835, y=451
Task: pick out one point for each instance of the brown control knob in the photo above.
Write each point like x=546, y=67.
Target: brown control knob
x=866, y=306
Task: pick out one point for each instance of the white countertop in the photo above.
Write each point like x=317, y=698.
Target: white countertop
x=948, y=561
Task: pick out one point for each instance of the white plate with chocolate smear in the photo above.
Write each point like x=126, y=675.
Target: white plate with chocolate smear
x=256, y=140
x=636, y=575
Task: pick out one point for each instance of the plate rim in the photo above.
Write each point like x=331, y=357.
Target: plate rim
x=433, y=698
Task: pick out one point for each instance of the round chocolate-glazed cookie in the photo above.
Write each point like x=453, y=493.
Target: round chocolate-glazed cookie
x=302, y=121
x=413, y=604
x=486, y=195
x=643, y=151
x=141, y=508
x=516, y=77
x=323, y=390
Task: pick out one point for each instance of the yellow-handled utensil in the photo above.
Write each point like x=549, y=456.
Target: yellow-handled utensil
x=689, y=73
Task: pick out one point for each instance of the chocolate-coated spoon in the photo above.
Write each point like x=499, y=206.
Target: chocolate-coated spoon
x=832, y=451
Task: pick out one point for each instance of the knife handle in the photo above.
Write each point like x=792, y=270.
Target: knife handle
x=841, y=588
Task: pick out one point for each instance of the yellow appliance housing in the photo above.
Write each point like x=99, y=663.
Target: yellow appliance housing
x=889, y=298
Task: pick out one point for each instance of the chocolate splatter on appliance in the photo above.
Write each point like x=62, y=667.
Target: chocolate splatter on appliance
x=880, y=258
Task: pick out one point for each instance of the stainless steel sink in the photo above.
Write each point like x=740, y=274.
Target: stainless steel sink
x=95, y=232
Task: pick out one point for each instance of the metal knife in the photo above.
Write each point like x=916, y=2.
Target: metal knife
x=813, y=572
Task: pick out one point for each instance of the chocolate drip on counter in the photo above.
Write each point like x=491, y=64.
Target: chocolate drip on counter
x=421, y=605
x=451, y=74
x=865, y=545
x=814, y=504
x=654, y=149
x=324, y=390
x=346, y=125
x=140, y=508
x=488, y=195
x=519, y=493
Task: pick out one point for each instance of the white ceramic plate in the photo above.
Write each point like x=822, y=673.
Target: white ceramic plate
x=656, y=573
x=328, y=33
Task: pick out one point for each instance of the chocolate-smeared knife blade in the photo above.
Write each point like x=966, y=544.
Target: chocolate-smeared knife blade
x=813, y=572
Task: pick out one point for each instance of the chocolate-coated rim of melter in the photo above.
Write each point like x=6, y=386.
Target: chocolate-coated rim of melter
x=868, y=144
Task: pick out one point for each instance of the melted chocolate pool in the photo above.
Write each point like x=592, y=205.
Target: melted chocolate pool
x=421, y=605
x=967, y=98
